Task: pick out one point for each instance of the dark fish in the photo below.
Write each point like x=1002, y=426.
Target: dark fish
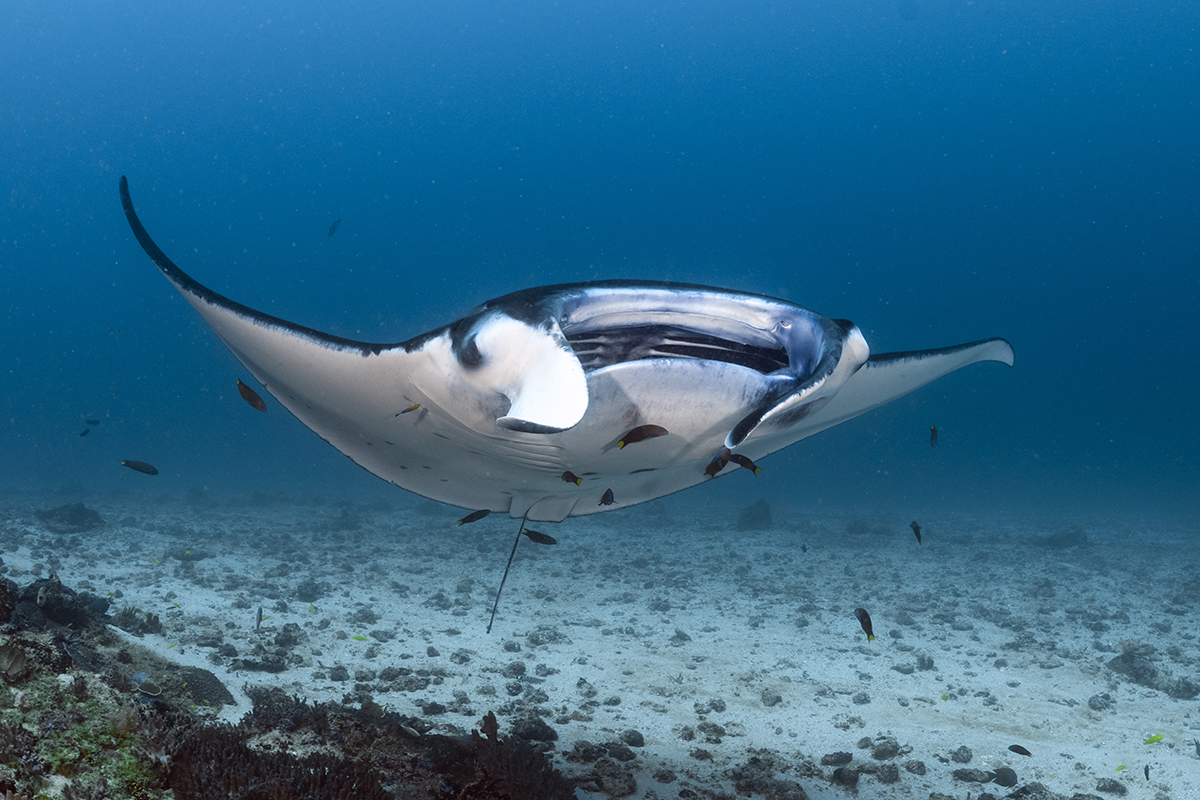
x=413, y=407
x=916, y=530
x=540, y=538
x=1021, y=751
x=641, y=433
x=1147, y=772
x=92, y=421
x=1005, y=776
x=932, y=436
x=333, y=228
x=258, y=621
x=717, y=464
x=804, y=548
x=571, y=477
x=140, y=466
x=474, y=516
x=744, y=463
x=84, y=432
x=251, y=396
x=607, y=498
x=864, y=619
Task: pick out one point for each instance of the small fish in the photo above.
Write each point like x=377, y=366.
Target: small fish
x=1155, y=738
x=1021, y=751
x=92, y=421
x=258, y=619
x=571, y=477
x=1118, y=769
x=717, y=464
x=333, y=227
x=84, y=432
x=804, y=548
x=140, y=466
x=474, y=516
x=413, y=407
x=744, y=463
x=540, y=538
x=932, y=436
x=359, y=638
x=1004, y=776
x=607, y=498
x=251, y=396
x=864, y=619
x=916, y=530
x=641, y=433
x=1147, y=768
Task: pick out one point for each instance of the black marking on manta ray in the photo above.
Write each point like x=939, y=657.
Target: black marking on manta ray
x=920, y=355
x=794, y=415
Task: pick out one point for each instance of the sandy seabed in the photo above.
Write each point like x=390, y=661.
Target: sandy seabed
x=684, y=653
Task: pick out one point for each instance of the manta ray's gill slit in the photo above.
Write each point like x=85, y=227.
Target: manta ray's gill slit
x=596, y=349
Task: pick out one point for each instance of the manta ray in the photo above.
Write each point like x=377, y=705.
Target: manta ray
x=524, y=406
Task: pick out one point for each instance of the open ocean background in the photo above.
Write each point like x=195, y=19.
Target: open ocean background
x=938, y=171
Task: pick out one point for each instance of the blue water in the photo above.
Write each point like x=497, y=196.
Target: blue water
x=937, y=171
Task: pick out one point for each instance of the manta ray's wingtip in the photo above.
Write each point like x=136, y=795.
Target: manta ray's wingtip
x=1001, y=350
x=183, y=282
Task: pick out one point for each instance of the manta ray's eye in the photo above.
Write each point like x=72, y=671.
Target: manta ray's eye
x=783, y=323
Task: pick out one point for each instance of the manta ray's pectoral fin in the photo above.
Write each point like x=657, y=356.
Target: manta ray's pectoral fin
x=888, y=376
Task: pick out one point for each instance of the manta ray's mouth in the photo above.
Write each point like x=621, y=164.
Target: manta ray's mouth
x=603, y=348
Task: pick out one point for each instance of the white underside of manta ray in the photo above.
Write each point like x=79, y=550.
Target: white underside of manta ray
x=546, y=381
